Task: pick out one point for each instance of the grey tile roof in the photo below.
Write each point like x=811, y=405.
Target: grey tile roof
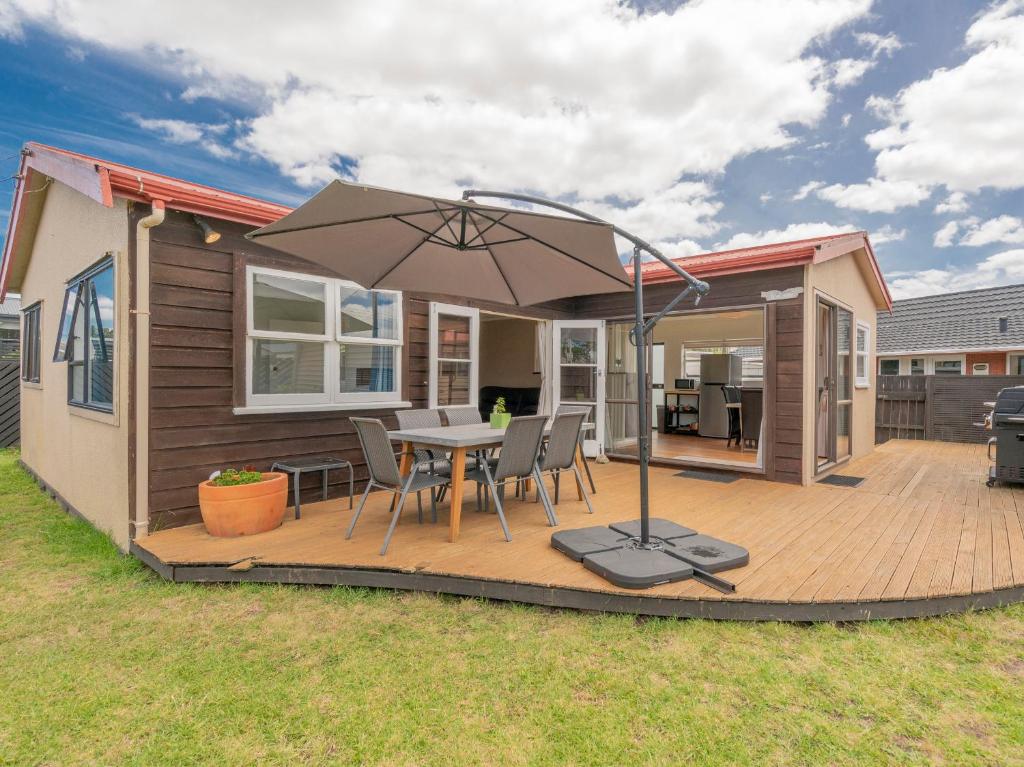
x=11, y=307
x=954, y=321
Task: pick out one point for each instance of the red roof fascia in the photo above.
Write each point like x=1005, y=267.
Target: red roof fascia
x=130, y=183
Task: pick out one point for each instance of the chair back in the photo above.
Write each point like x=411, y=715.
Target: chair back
x=519, y=450
x=731, y=393
x=380, y=458
x=585, y=409
x=418, y=419
x=462, y=416
x=564, y=439
x=753, y=411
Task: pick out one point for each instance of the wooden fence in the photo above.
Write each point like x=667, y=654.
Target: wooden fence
x=10, y=403
x=942, y=407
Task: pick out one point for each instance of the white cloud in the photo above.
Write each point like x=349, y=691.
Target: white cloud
x=1006, y=268
x=956, y=202
x=961, y=127
x=582, y=99
x=765, y=197
x=847, y=72
x=944, y=237
x=887, y=234
x=184, y=132
x=1008, y=229
x=875, y=196
x=845, y=120
x=790, y=233
x=807, y=188
x=880, y=45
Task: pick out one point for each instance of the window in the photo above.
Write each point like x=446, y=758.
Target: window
x=9, y=338
x=30, y=346
x=86, y=341
x=917, y=366
x=319, y=341
x=889, y=367
x=750, y=351
x=1015, y=365
x=952, y=367
x=863, y=355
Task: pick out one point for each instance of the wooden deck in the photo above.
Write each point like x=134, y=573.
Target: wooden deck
x=922, y=535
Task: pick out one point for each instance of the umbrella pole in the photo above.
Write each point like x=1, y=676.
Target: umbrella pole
x=643, y=411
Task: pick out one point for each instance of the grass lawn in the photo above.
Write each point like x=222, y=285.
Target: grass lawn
x=104, y=663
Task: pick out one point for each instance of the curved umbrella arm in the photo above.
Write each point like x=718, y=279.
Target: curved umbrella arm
x=697, y=286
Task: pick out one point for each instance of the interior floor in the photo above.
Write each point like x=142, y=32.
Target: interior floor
x=692, y=447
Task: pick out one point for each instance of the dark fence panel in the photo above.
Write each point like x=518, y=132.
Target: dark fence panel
x=10, y=403
x=943, y=407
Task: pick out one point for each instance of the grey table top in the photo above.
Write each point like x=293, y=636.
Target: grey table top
x=472, y=435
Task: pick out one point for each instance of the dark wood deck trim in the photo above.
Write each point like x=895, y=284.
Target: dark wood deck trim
x=579, y=599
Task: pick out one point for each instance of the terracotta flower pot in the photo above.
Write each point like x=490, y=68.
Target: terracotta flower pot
x=244, y=509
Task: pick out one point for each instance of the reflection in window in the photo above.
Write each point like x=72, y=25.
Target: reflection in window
x=86, y=340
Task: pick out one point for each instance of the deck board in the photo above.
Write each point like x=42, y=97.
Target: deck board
x=921, y=527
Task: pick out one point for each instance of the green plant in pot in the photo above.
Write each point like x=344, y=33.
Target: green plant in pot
x=500, y=417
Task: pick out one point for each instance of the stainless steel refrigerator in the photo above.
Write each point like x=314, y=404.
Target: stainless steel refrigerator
x=716, y=371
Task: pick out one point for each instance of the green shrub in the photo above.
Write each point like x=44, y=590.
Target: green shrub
x=499, y=405
x=231, y=477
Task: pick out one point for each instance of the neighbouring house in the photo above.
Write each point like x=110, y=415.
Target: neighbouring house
x=10, y=328
x=166, y=345
x=972, y=332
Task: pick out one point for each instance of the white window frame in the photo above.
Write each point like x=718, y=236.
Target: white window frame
x=897, y=360
x=1011, y=360
x=862, y=382
x=930, y=363
x=331, y=338
x=437, y=309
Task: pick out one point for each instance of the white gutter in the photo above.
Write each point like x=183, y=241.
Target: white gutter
x=141, y=355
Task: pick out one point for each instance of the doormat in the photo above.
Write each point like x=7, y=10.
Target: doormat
x=708, y=476
x=841, y=480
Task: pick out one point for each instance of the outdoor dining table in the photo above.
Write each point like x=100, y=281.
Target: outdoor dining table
x=458, y=440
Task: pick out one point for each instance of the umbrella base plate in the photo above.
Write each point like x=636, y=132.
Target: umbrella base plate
x=636, y=568
x=674, y=553
x=665, y=529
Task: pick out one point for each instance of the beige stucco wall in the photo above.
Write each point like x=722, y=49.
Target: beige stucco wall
x=82, y=454
x=841, y=280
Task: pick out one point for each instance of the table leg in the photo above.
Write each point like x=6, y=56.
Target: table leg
x=405, y=465
x=458, y=476
x=582, y=467
x=298, y=503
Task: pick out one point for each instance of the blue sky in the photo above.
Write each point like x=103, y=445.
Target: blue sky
x=696, y=125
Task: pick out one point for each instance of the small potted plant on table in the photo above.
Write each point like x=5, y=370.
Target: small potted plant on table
x=243, y=502
x=500, y=417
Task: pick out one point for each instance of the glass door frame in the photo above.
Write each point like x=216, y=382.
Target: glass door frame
x=593, y=443
x=454, y=310
x=827, y=383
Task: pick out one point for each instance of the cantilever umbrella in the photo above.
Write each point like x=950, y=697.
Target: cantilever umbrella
x=380, y=238
x=385, y=239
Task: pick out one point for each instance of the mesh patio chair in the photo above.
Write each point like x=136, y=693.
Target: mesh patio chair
x=462, y=415
x=384, y=474
x=519, y=459
x=585, y=409
x=439, y=461
x=560, y=454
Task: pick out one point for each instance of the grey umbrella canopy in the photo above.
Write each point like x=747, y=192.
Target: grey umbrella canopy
x=380, y=238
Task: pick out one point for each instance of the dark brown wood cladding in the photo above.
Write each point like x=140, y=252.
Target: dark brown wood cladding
x=786, y=390
x=197, y=366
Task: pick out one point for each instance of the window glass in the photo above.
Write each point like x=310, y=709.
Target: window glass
x=579, y=346
x=844, y=322
x=67, y=316
x=287, y=367
x=917, y=366
x=1018, y=366
x=453, y=382
x=368, y=313
x=453, y=337
x=288, y=305
x=367, y=368
x=30, y=344
x=101, y=339
x=889, y=367
x=948, y=367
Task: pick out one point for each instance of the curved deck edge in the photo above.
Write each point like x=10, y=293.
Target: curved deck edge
x=579, y=599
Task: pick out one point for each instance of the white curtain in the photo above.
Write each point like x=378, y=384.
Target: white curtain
x=542, y=350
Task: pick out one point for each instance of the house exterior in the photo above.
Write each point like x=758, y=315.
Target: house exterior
x=972, y=332
x=170, y=346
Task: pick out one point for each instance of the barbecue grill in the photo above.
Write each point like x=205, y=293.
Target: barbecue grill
x=1008, y=425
